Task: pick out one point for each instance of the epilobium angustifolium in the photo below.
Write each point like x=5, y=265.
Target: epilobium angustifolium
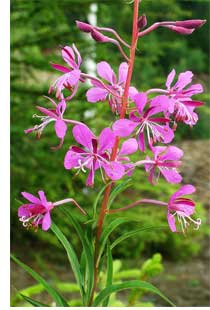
x=147, y=119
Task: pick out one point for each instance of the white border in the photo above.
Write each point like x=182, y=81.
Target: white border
x=5, y=173
x=5, y=154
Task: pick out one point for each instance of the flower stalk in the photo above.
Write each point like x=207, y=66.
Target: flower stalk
x=105, y=201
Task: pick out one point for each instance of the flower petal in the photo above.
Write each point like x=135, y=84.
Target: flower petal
x=171, y=175
x=83, y=135
x=184, y=79
x=170, y=78
x=73, y=77
x=106, y=140
x=105, y=71
x=166, y=133
x=130, y=146
x=90, y=178
x=47, y=112
x=79, y=59
x=96, y=94
x=68, y=56
x=132, y=92
x=161, y=101
x=122, y=72
x=157, y=150
x=43, y=198
x=71, y=159
x=114, y=170
x=193, y=90
x=61, y=107
x=24, y=210
x=30, y=197
x=46, y=221
x=141, y=141
x=60, y=68
x=140, y=100
x=171, y=222
x=184, y=190
x=60, y=128
x=124, y=127
x=172, y=153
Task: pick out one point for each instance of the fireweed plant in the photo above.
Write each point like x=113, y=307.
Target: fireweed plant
x=145, y=120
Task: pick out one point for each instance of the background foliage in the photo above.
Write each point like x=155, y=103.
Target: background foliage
x=38, y=28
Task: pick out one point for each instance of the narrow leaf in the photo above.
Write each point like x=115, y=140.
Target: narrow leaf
x=87, y=247
x=128, y=285
x=33, y=302
x=109, y=273
x=108, y=230
x=71, y=256
x=118, y=189
x=133, y=233
x=60, y=301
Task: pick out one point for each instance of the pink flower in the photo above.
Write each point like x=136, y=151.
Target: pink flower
x=95, y=154
x=94, y=32
x=165, y=162
x=84, y=26
x=184, y=26
x=114, y=90
x=71, y=76
x=183, y=208
x=52, y=115
x=190, y=23
x=128, y=147
x=157, y=128
x=180, y=103
x=37, y=211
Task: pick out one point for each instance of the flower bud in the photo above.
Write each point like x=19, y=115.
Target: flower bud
x=84, y=26
x=142, y=21
x=180, y=30
x=99, y=37
x=191, y=23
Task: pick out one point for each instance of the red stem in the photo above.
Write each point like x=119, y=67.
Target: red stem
x=138, y=202
x=105, y=201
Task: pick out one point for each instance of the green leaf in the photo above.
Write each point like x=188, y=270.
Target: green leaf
x=108, y=230
x=33, y=302
x=128, y=285
x=67, y=287
x=109, y=272
x=118, y=189
x=60, y=301
x=132, y=233
x=88, y=249
x=71, y=256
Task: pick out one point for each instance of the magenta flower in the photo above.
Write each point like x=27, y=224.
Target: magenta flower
x=37, y=211
x=52, y=115
x=114, y=90
x=180, y=103
x=165, y=162
x=157, y=128
x=183, y=208
x=71, y=76
x=95, y=154
x=128, y=147
x=185, y=26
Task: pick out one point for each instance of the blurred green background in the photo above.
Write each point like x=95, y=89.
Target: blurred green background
x=37, y=30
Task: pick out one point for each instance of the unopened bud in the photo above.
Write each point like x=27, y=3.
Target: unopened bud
x=180, y=30
x=191, y=23
x=99, y=37
x=142, y=21
x=84, y=26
